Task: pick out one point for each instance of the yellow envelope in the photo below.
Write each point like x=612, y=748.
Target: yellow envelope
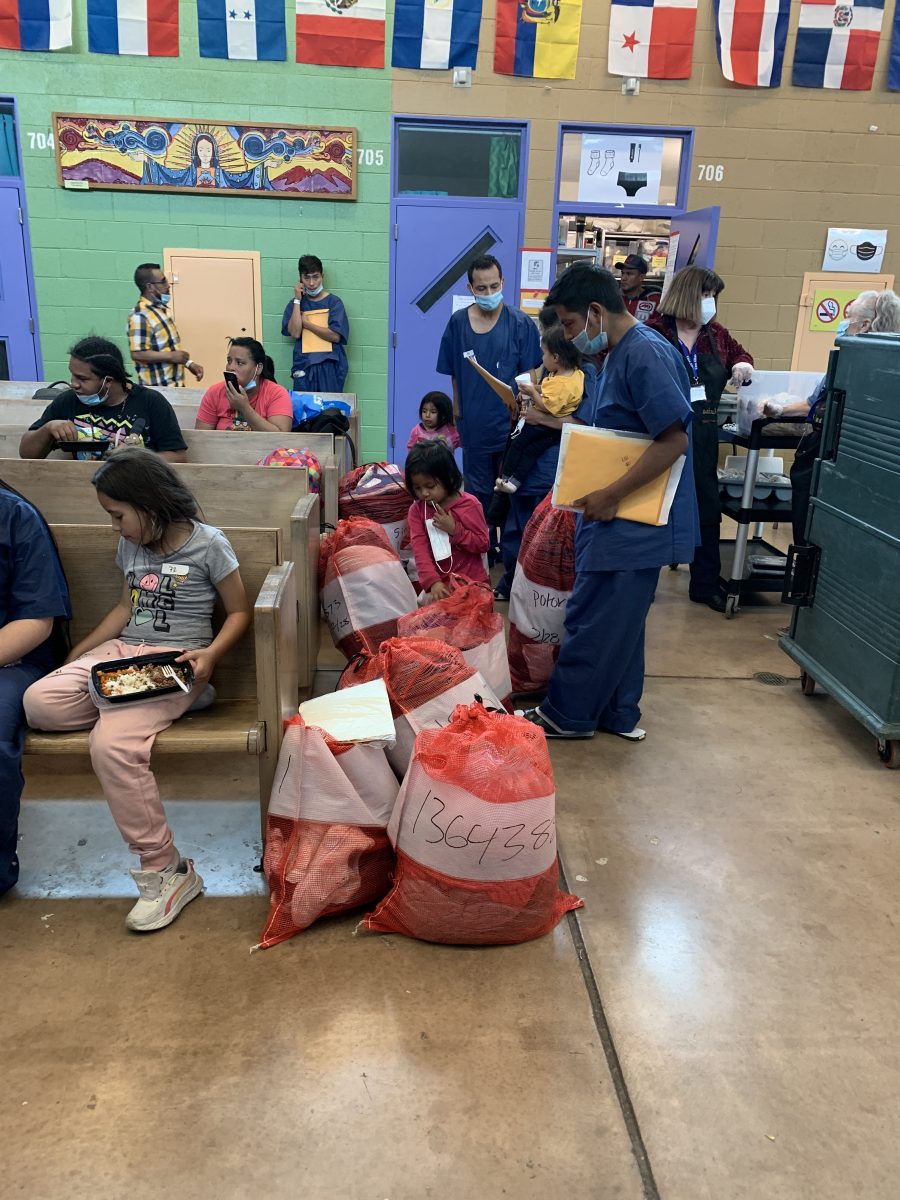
x=591, y=459
x=503, y=390
x=311, y=343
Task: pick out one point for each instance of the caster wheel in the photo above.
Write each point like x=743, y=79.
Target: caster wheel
x=807, y=684
x=888, y=753
x=731, y=607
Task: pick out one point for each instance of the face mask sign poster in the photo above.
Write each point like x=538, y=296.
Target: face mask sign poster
x=621, y=170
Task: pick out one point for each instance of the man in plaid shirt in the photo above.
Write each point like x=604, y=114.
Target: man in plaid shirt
x=153, y=335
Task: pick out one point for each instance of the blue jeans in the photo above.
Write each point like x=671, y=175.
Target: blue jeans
x=481, y=469
x=520, y=510
x=599, y=675
x=13, y=682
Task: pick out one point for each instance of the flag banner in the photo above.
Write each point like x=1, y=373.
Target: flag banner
x=537, y=39
x=653, y=40
x=247, y=29
x=341, y=33
x=147, y=27
x=35, y=24
x=750, y=39
x=436, y=34
x=894, y=60
x=837, y=44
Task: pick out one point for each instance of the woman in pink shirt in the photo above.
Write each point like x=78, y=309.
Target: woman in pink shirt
x=447, y=528
x=248, y=398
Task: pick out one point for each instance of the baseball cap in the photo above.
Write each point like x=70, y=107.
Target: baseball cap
x=634, y=262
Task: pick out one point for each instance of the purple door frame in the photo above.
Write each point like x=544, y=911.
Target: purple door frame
x=17, y=182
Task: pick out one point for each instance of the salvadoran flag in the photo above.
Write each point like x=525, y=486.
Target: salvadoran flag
x=35, y=24
x=341, y=33
x=537, y=39
x=750, y=39
x=837, y=44
x=246, y=29
x=653, y=40
x=894, y=60
x=148, y=27
x=436, y=34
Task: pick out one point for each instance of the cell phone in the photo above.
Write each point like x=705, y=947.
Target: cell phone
x=230, y=377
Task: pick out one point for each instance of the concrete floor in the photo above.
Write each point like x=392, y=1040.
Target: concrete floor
x=718, y=1023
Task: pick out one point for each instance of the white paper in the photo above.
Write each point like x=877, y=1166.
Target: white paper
x=462, y=302
x=536, y=270
x=613, y=165
x=855, y=251
x=357, y=714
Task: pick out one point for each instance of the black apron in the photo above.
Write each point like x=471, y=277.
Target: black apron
x=801, y=472
x=708, y=371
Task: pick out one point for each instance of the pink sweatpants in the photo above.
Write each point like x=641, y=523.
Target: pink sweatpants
x=121, y=741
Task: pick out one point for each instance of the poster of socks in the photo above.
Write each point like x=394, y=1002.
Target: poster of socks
x=620, y=170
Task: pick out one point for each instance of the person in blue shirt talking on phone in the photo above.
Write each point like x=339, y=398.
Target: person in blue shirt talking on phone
x=644, y=389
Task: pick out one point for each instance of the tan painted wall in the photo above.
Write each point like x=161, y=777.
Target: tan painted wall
x=796, y=159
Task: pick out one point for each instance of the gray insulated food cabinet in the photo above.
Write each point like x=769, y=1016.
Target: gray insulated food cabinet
x=845, y=631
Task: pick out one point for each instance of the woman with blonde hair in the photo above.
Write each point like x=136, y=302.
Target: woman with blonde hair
x=686, y=317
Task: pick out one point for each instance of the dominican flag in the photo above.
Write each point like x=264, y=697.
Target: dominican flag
x=35, y=24
x=837, y=44
x=248, y=29
x=750, y=38
x=894, y=60
x=436, y=34
x=341, y=33
x=148, y=27
x=653, y=40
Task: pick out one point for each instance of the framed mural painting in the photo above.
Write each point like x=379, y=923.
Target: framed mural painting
x=152, y=154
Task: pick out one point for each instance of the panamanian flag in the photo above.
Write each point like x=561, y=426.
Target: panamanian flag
x=35, y=24
x=653, y=39
x=436, y=34
x=750, y=39
x=246, y=29
x=837, y=44
x=146, y=27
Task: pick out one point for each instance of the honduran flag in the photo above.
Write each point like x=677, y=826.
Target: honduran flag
x=148, y=27
x=750, y=38
x=653, y=39
x=436, y=34
x=248, y=29
x=537, y=39
x=341, y=33
x=837, y=44
x=894, y=60
x=35, y=24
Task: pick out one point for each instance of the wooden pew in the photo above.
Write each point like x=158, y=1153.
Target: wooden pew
x=265, y=497
x=256, y=682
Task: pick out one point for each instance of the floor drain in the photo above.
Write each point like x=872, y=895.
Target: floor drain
x=770, y=678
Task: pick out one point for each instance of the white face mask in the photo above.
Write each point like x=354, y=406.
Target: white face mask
x=707, y=309
x=439, y=539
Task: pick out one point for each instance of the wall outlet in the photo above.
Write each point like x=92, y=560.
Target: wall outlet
x=462, y=77
x=631, y=85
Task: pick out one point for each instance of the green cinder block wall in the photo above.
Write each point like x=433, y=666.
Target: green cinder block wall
x=85, y=245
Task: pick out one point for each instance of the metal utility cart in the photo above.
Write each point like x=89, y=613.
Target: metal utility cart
x=748, y=512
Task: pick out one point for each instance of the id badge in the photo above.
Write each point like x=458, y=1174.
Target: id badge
x=440, y=541
x=698, y=395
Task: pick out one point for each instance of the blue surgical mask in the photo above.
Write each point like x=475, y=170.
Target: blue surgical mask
x=591, y=345
x=164, y=298
x=248, y=387
x=315, y=291
x=96, y=399
x=843, y=326
x=707, y=309
x=489, y=303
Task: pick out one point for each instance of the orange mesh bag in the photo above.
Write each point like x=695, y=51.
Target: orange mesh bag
x=363, y=585
x=542, y=585
x=474, y=828
x=466, y=619
x=425, y=681
x=327, y=849
x=377, y=491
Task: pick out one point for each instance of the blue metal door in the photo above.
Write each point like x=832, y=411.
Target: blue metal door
x=18, y=351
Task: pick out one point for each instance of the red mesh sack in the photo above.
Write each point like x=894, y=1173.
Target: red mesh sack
x=542, y=585
x=425, y=681
x=377, y=491
x=474, y=828
x=363, y=585
x=466, y=619
x=327, y=849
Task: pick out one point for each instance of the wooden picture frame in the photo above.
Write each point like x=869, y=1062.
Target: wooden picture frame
x=221, y=158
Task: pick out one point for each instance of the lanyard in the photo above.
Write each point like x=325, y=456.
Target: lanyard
x=690, y=357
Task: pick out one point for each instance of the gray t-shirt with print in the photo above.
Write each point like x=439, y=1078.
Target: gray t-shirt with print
x=172, y=595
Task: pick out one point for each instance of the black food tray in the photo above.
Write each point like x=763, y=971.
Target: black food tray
x=118, y=664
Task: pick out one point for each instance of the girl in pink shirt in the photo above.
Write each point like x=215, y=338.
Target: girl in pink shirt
x=447, y=528
x=435, y=421
x=248, y=398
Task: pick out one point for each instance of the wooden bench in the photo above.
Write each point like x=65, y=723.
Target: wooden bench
x=256, y=682
x=265, y=497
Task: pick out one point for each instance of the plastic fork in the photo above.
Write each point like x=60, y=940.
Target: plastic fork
x=171, y=673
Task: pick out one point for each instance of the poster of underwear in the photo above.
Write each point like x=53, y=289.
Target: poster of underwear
x=152, y=154
x=618, y=169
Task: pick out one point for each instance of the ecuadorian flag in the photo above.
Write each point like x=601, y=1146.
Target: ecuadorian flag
x=537, y=38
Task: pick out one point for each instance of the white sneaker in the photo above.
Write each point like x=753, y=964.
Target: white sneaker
x=163, y=895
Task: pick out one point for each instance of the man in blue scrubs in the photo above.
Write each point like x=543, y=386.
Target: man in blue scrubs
x=506, y=343
x=643, y=388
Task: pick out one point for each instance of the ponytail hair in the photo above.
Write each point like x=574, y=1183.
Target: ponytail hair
x=103, y=357
x=258, y=353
